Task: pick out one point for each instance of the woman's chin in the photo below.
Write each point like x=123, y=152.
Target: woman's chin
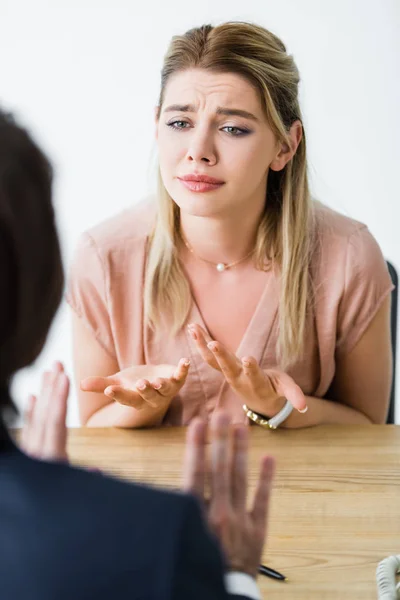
x=199, y=205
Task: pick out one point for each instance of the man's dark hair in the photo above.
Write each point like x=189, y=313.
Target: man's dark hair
x=31, y=273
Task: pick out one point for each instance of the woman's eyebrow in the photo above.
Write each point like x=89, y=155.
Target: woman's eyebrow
x=180, y=108
x=236, y=112
x=229, y=112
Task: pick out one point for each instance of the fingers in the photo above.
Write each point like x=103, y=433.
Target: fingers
x=199, y=336
x=239, y=467
x=97, y=384
x=228, y=362
x=165, y=387
x=142, y=393
x=30, y=407
x=255, y=374
x=220, y=462
x=194, y=466
x=28, y=416
x=148, y=393
x=259, y=512
x=282, y=384
x=170, y=387
x=45, y=432
x=39, y=414
x=126, y=396
x=181, y=372
x=252, y=369
x=55, y=434
x=286, y=387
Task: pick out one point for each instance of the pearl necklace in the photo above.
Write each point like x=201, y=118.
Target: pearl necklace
x=221, y=267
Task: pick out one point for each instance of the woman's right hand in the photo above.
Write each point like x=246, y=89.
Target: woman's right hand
x=141, y=386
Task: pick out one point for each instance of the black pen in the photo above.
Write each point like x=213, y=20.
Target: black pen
x=271, y=573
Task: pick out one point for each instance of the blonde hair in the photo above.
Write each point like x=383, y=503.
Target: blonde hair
x=284, y=233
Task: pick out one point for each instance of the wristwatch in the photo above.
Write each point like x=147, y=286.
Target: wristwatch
x=266, y=422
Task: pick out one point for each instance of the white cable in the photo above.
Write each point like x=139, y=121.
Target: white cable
x=386, y=573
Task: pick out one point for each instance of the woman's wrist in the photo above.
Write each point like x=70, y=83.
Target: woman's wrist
x=267, y=409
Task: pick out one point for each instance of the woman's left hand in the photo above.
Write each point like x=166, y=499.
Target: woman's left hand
x=263, y=391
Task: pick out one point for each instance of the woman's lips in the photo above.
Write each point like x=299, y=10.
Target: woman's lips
x=200, y=183
x=200, y=186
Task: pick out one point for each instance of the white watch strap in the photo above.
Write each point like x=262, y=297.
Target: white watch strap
x=282, y=415
x=241, y=584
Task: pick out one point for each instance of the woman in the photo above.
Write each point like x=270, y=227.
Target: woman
x=233, y=288
x=60, y=533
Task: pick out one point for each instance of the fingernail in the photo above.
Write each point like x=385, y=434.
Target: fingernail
x=303, y=410
x=193, y=334
x=186, y=362
x=158, y=386
x=246, y=363
x=110, y=394
x=212, y=346
x=141, y=386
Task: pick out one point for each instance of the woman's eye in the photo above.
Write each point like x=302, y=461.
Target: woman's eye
x=235, y=131
x=178, y=124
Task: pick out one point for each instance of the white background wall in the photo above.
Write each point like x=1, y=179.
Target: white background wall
x=84, y=76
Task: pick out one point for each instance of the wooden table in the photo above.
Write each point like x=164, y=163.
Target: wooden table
x=335, y=510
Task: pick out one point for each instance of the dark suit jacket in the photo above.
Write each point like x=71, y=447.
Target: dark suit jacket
x=67, y=534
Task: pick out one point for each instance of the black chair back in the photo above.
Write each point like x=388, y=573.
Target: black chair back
x=393, y=327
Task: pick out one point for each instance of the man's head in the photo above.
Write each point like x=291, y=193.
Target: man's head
x=32, y=278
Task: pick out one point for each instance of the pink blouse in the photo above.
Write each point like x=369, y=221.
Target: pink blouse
x=350, y=280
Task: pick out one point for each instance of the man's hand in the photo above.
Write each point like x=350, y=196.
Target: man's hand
x=241, y=533
x=44, y=434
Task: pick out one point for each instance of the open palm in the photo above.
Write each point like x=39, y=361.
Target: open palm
x=142, y=385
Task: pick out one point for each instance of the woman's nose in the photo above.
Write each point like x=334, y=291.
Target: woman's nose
x=201, y=149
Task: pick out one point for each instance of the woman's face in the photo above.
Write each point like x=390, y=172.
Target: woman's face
x=215, y=145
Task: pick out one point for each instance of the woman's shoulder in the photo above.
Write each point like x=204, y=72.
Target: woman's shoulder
x=345, y=250
x=331, y=225
x=338, y=236
x=127, y=229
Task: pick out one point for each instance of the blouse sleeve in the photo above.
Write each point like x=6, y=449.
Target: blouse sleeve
x=367, y=284
x=87, y=291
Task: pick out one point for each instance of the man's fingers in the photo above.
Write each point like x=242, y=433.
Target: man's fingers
x=97, y=384
x=38, y=419
x=239, y=467
x=28, y=416
x=30, y=407
x=194, y=466
x=55, y=433
x=259, y=511
x=220, y=460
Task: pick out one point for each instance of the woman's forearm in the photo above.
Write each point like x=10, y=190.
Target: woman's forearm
x=325, y=412
x=117, y=415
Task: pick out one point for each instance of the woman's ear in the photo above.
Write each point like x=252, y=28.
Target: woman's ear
x=287, y=151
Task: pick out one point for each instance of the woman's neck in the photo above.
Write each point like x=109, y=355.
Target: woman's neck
x=220, y=240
